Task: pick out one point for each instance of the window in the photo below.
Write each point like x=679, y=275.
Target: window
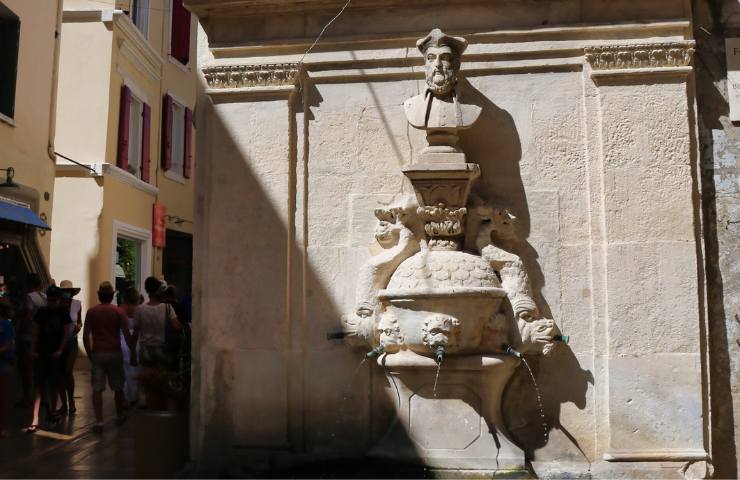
x=178, y=138
x=10, y=31
x=134, y=126
x=179, y=32
x=177, y=134
x=140, y=15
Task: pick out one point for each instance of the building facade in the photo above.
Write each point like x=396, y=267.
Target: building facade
x=28, y=65
x=125, y=144
x=588, y=137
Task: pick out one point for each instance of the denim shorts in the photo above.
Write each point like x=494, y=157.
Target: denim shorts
x=107, y=365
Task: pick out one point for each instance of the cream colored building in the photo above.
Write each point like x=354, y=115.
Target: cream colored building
x=28, y=59
x=125, y=137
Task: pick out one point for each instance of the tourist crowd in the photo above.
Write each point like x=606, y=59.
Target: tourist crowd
x=133, y=344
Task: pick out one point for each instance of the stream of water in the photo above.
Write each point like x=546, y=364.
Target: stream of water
x=349, y=392
x=436, y=377
x=539, y=400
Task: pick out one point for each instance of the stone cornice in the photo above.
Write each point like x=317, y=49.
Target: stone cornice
x=109, y=170
x=139, y=46
x=640, y=56
x=125, y=177
x=203, y=8
x=250, y=76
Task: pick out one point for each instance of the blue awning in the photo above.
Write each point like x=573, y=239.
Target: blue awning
x=21, y=214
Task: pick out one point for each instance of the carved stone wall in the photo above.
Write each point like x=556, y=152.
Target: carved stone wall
x=586, y=134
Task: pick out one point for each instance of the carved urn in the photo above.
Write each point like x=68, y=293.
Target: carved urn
x=445, y=299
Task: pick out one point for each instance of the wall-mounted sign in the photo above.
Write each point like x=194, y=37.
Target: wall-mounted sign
x=732, y=50
x=159, y=230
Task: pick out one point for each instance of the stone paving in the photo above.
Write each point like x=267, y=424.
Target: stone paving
x=70, y=450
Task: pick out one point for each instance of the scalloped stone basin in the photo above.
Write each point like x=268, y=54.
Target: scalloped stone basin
x=442, y=297
x=458, y=424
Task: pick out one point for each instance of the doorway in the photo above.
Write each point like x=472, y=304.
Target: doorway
x=177, y=265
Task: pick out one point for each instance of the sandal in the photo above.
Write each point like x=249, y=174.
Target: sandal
x=32, y=428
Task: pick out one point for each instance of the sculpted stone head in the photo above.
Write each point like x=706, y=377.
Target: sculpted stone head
x=442, y=55
x=537, y=335
x=440, y=330
x=388, y=330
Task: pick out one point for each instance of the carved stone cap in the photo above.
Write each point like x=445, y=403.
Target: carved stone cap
x=247, y=76
x=651, y=55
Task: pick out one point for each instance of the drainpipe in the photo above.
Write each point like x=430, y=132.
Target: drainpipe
x=54, y=80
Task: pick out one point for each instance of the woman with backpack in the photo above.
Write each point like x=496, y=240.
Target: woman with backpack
x=150, y=326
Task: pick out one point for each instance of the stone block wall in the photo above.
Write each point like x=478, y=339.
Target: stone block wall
x=588, y=135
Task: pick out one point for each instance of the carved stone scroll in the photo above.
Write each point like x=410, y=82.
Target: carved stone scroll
x=655, y=55
x=247, y=76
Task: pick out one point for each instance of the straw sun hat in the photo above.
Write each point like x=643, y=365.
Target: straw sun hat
x=67, y=286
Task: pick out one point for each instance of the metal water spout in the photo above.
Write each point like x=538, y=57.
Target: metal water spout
x=375, y=352
x=509, y=350
x=561, y=338
x=439, y=356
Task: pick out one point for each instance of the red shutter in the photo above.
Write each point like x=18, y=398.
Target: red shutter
x=188, y=160
x=180, y=34
x=123, y=121
x=167, y=133
x=145, y=142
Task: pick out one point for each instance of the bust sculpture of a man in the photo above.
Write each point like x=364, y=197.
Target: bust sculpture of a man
x=441, y=109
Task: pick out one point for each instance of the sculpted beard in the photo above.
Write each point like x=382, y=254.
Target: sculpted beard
x=441, y=80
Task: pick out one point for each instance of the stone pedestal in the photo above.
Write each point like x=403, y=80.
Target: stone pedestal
x=459, y=427
x=446, y=183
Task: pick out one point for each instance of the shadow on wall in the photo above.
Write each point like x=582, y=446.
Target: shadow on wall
x=493, y=143
x=716, y=201
x=560, y=380
x=269, y=407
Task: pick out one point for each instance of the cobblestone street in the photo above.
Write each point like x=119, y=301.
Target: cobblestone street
x=71, y=450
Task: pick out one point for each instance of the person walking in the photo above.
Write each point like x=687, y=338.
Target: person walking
x=100, y=338
x=23, y=325
x=67, y=392
x=150, y=324
x=7, y=350
x=131, y=300
x=50, y=339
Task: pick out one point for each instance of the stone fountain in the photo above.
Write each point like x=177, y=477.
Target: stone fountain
x=448, y=326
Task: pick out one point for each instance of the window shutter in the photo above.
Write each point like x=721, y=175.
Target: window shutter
x=188, y=160
x=123, y=133
x=180, y=34
x=145, y=142
x=167, y=133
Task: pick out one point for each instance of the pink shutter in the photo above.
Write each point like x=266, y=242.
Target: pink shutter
x=180, y=34
x=123, y=134
x=188, y=160
x=145, y=142
x=167, y=133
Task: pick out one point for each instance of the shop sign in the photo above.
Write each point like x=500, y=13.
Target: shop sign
x=732, y=50
x=159, y=228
